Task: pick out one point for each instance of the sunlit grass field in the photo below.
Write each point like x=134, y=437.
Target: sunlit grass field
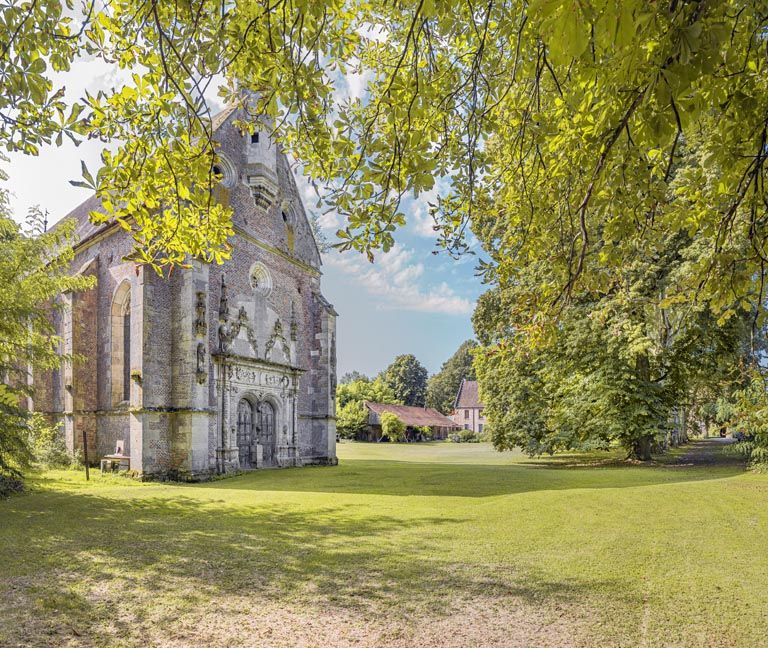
x=400, y=545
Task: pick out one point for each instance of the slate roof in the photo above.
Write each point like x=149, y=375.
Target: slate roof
x=412, y=416
x=468, y=396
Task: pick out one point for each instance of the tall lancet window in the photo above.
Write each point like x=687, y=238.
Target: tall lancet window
x=121, y=344
x=127, y=353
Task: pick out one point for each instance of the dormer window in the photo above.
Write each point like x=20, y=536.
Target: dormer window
x=255, y=137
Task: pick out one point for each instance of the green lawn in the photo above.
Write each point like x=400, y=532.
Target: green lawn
x=404, y=545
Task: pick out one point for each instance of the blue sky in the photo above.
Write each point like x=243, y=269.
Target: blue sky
x=408, y=301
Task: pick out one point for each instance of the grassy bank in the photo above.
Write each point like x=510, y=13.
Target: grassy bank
x=433, y=544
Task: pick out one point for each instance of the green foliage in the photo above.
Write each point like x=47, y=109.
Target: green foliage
x=353, y=376
x=612, y=370
x=352, y=415
x=361, y=390
x=425, y=431
x=47, y=443
x=33, y=267
x=747, y=415
x=444, y=385
x=351, y=419
x=559, y=128
x=464, y=436
x=407, y=378
x=392, y=427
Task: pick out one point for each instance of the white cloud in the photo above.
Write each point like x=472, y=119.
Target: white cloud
x=396, y=280
x=421, y=221
x=357, y=83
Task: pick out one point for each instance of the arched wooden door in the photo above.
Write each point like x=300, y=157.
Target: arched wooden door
x=266, y=432
x=244, y=432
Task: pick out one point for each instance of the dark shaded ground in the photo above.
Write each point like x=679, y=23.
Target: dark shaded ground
x=708, y=452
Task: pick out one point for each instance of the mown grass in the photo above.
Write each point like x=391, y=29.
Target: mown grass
x=568, y=551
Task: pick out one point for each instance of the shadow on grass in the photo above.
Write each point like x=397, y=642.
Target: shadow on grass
x=86, y=564
x=380, y=477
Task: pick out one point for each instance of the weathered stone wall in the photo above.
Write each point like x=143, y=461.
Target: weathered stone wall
x=172, y=423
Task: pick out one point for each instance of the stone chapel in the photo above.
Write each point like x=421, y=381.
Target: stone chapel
x=215, y=368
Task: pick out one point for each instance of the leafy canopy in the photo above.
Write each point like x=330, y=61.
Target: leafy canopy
x=443, y=386
x=33, y=275
x=555, y=125
x=351, y=413
x=392, y=427
x=358, y=391
x=407, y=378
x=351, y=419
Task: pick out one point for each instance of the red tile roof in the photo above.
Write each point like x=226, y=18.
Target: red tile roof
x=468, y=396
x=413, y=416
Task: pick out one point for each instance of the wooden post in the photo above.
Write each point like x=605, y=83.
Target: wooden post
x=85, y=455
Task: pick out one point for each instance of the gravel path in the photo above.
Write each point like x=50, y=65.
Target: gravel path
x=709, y=452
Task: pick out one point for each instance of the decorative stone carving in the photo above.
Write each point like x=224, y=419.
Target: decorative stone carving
x=252, y=340
x=294, y=325
x=261, y=279
x=333, y=366
x=202, y=365
x=277, y=338
x=201, y=327
x=263, y=185
x=224, y=167
x=223, y=302
x=228, y=331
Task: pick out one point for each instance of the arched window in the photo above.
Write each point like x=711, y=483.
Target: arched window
x=121, y=344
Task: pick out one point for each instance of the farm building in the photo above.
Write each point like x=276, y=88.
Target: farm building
x=467, y=409
x=415, y=419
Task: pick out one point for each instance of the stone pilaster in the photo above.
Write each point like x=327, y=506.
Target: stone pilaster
x=144, y=443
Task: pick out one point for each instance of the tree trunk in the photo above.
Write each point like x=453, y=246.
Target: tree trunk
x=641, y=448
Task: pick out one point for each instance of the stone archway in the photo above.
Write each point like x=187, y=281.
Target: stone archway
x=256, y=429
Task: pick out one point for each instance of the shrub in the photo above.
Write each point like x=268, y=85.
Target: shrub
x=47, y=443
x=464, y=436
x=392, y=427
x=352, y=418
x=426, y=432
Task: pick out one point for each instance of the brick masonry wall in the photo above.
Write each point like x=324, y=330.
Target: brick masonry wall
x=170, y=425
